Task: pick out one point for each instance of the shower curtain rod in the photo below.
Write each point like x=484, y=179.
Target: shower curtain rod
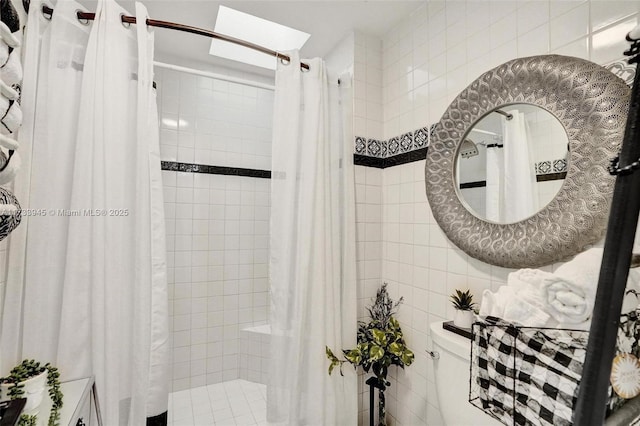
x=506, y=114
x=88, y=16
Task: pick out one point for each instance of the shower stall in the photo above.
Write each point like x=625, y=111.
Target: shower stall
x=215, y=143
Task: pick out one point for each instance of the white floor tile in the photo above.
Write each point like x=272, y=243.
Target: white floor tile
x=246, y=420
x=220, y=404
x=231, y=403
x=182, y=414
x=222, y=415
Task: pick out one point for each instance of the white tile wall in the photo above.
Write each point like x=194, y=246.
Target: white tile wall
x=428, y=58
x=209, y=121
x=217, y=226
x=367, y=90
x=254, y=354
x=369, y=255
x=218, y=249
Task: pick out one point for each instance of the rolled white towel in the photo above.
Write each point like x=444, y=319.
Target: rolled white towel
x=8, y=142
x=9, y=173
x=568, y=302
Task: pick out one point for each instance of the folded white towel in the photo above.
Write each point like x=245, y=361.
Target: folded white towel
x=9, y=38
x=515, y=305
x=492, y=304
x=4, y=53
x=10, y=116
x=11, y=71
x=522, y=312
x=583, y=269
x=8, y=92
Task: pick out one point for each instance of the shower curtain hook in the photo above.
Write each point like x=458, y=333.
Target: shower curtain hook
x=47, y=12
x=83, y=21
x=283, y=61
x=124, y=23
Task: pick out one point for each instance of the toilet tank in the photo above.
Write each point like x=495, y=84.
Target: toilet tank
x=451, y=369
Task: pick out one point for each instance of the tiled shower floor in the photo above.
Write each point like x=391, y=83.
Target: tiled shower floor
x=236, y=402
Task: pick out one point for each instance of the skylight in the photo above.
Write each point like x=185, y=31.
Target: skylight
x=254, y=30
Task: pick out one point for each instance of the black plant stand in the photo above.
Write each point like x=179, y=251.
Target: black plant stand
x=381, y=385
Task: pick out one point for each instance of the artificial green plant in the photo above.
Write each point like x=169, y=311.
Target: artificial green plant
x=462, y=300
x=380, y=345
x=28, y=369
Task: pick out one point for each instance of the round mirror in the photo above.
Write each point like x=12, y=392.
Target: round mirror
x=512, y=163
x=591, y=105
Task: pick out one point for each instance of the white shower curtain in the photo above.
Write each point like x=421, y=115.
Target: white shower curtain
x=312, y=265
x=520, y=188
x=87, y=287
x=511, y=192
x=494, y=206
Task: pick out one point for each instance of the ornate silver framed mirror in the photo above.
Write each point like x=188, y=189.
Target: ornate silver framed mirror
x=587, y=101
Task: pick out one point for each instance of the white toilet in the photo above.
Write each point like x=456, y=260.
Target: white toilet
x=451, y=357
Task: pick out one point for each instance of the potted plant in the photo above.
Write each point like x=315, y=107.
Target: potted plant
x=28, y=380
x=463, y=303
x=380, y=345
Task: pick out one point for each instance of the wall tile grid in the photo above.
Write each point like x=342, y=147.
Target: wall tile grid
x=214, y=122
x=217, y=226
x=369, y=254
x=427, y=59
x=255, y=353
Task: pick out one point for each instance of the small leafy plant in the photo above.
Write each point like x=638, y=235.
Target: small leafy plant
x=462, y=300
x=28, y=369
x=28, y=420
x=380, y=345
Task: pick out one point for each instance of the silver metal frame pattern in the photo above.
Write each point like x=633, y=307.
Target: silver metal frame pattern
x=591, y=103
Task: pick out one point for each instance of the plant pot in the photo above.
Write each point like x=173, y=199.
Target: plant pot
x=33, y=391
x=463, y=319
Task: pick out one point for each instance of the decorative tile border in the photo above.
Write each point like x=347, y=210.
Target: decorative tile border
x=545, y=171
x=361, y=146
x=623, y=70
x=551, y=166
x=214, y=170
x=395, y=160
x=401, y=144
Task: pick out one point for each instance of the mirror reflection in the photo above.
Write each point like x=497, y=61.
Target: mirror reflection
x=512, y=163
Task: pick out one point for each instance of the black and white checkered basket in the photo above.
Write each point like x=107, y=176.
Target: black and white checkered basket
x=530, y=376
